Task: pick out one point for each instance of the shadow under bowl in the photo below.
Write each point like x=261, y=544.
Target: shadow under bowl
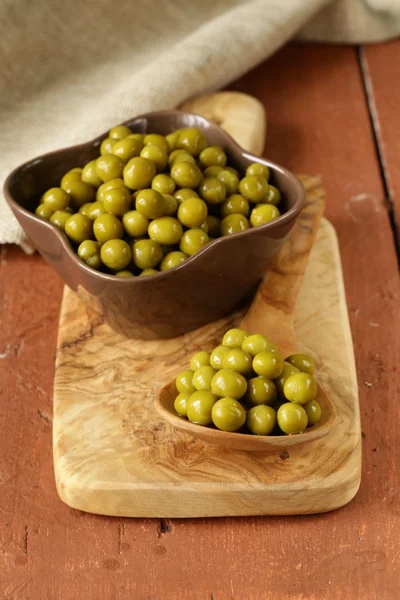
x=207, y=286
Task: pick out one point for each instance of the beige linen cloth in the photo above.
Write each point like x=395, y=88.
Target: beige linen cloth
x=71, y=69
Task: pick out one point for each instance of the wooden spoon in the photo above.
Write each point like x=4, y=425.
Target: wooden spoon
x=271, y=314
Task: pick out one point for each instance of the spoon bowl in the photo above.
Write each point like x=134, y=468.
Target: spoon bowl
x=271, y=314
x=244, y=441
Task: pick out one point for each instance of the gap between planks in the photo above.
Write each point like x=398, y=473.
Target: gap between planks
x=378, y=144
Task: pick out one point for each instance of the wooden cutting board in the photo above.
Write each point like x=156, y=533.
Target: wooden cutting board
x=113, y=455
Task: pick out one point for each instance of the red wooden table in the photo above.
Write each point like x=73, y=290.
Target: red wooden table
x=332, y=111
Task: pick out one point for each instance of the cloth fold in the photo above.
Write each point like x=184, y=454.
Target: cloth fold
x=70, y=71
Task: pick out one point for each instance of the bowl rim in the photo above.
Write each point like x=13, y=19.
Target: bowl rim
x=284, y=218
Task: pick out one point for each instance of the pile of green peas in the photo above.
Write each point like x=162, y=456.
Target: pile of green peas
x=149, y=201
x=245, y=384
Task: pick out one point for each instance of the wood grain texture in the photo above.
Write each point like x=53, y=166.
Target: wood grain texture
x=272, y=311
x=318, y=122
x=113, y=454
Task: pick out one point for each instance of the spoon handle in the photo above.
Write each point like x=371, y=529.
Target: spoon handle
x=240, y=115
x=272, y=310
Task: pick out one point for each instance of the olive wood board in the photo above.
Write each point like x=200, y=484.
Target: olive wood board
x=114, y=455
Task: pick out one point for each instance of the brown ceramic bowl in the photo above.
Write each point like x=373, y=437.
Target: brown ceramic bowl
x=205, y=287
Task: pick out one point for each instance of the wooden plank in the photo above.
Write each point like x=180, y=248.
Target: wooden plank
x=381, y=67
x=317, y=122
x=44, y=546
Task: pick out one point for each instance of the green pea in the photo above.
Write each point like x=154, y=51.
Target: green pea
x=263, y=213
x=157, y=155
x=217, y=356
x=192, y=241
x=261, y=390
x=135, y=224
x=109, y=167
x=172, y=140
x=117, y=201
x=192, y=140
x=214, y=226
x=186, y=175
x=292, y=418
x=300, y=388
x=212, y=190
x=228, y=414
x=150, y=204
x=147, y=254
x=163, y=183
x=180, y=403
x=89, y=174
x=170, y=205
x=302, y=362
x=234, y=224
x=127, y=148
x=106, y=146
x=257, y=343
x=56, y=199
x=213, y=155
x=172, y=259
x=79, y=228
x=79, y=192
x=148, y=272
x=235, y=204
x=139, y=172
x=314, y=412
x=137, y=136
x=119, y=132
x=116, y=254
x=261, y=420
x=202, y=377
x=273, y=195
x=184, y=194
x=165, y=230
x=71, y=176
x=44, y=212
x=258, y=169
x=109, y=185
x=253, y=187
x=192, y=212
x=92, y=209
x=89, y=252
x=230, y=180
x=287, y=370
x=237, y=360
x=199, y=407
x=229, y=384
x=154, y=139
x=232, y=170
x=179, y=156
x=59, y=219
x=213, y=171
x=200, y=359
x=107, y=227
x=234, y=338
x=268, y=364
x=184, y=382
